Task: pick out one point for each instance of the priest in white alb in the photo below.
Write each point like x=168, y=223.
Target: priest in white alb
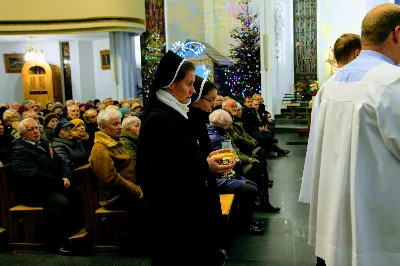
x=355, y=189
x=347, y=47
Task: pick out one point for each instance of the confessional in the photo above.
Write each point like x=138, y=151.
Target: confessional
x=41, y=82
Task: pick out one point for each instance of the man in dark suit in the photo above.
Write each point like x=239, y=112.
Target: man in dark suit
x=40, y=181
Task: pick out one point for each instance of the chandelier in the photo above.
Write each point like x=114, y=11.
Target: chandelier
x=31, y=54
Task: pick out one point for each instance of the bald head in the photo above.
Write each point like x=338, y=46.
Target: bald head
x=231, y=107
x=379, y=23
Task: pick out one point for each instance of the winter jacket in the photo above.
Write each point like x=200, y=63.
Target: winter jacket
x=113, y=167
x=72, y=152
x=242, y=139
x=130, y=143
x=37, y=175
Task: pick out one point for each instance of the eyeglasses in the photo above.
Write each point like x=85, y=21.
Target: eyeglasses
x=211, y=101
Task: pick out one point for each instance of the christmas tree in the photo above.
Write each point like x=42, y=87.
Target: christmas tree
x=243, y=76
x=153, y=53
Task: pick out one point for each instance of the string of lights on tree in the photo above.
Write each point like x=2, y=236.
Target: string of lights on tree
x=243, y=76
x=153, y=53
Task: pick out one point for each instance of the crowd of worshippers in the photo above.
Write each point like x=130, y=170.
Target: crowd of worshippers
x=45, y=143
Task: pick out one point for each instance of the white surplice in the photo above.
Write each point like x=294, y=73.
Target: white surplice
x=307, y=170
x=355, y=190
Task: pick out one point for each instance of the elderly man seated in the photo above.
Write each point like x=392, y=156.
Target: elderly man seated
x=220, y=131
x=41, y=180
x=112, y=164
x=73, y=112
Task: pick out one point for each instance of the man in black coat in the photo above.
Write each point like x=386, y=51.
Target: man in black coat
x=91, y=127
x=40, y=181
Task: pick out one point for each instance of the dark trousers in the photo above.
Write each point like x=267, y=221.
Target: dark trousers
x=65, y=215
x=246, y=197
x=320, y=262
x=259, y=175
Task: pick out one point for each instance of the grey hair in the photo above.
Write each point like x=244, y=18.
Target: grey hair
x=8, y=113
x=220, y=118
x=239, y=106
x=3, y=104
x=106, y=115
x=254, y=96
x=72, y=105
x=28, y=102
x=21, y=125
x=129, y=121
x=26, y=113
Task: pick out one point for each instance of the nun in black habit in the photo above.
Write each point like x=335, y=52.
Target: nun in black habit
x=174, y=176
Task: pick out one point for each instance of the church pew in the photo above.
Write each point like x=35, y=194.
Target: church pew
x=18, y=221
x=226, y=204
x=98, y=217
x=99, y=222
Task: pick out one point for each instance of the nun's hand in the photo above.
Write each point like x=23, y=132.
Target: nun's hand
x=217, y=168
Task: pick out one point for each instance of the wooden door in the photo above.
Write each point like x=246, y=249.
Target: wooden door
x=37, y=81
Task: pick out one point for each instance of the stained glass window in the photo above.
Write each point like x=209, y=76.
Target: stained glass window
x=305, y=38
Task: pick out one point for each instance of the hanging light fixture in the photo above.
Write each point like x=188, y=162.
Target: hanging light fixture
x=31, y=54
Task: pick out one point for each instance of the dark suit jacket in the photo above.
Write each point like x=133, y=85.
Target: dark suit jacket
x=36, y=174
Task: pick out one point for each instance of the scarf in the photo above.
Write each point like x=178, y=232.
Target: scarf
x=83, y=136
x=171, y=101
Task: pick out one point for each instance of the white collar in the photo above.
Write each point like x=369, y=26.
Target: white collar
x=31, y=142
x=167, y=98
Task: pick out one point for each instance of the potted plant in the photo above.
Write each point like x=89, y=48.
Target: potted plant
x=314, y=87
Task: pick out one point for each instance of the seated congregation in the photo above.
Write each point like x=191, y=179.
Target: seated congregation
x=86, y=163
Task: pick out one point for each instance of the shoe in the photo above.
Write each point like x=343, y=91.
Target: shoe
x=64, y=250
x=274, y=140
x=268, y=208
x=283, y=152
x=221, y=257
x=258, y=223
x=254, y=230
x=270, y=181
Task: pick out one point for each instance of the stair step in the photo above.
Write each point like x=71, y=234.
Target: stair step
x=279, y=121
x=282, y=115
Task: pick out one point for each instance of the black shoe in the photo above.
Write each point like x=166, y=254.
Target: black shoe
x=268, y=208
x=270, y=181
x=283, y=152
x=275, y=140
x=221, y=257
x=64, y=250
x=258, y=223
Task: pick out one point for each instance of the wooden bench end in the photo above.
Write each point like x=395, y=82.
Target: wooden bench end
x=24, y=208
x=226, y=203
x=105, y=212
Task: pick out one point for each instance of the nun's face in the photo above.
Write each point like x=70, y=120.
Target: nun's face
x=183, y=89
x=206, y=102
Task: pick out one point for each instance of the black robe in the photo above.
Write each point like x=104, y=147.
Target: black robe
x=174, y=176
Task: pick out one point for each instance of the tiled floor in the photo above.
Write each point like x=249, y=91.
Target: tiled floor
x=284, y=242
